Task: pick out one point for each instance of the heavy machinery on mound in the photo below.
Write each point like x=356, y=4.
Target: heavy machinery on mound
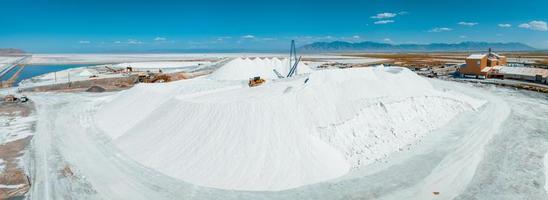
x=256, y=81
x=293, y=63
x=153, y=78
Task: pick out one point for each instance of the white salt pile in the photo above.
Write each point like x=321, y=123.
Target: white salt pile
x=161, y=65
x=280, y=135
x=245, y=68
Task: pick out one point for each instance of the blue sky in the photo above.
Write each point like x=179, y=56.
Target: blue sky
x=138, y=25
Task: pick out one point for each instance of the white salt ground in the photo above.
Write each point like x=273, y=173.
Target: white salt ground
x=14, y=128
x=546, y=171
x=2, y=165
x=3, y=186
x=5, y=61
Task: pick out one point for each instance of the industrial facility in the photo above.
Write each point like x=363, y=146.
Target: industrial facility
x=493, y=65
x=482, y=65
x=525, y=73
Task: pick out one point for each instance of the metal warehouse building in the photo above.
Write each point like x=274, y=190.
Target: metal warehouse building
x=525, y=73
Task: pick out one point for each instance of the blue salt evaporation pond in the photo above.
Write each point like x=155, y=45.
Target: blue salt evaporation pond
x=36, y=70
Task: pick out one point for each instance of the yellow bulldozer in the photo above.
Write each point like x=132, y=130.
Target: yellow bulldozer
x=256, y=81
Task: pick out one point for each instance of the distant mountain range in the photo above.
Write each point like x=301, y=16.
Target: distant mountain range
x=339, y=46
x=11, y=51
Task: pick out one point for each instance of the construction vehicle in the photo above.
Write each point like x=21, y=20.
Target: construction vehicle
x=153, y=78
x=23, y=99
x=13, y=99
x=159, y=78
x=143, y=77
x=256, y=81
x=112, y=70
x=10, y=98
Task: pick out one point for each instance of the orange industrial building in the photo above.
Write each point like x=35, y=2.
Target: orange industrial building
x=483, y=65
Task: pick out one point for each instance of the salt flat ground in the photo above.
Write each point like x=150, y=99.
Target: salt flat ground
x=6, y=61
x=494, y=153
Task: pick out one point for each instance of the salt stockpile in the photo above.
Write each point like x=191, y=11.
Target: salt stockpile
x=85, y=73
x=276, y=136
x=245, y=68
x=161, y=65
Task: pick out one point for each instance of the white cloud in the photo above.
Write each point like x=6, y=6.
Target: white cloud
x=403, y=13
x=505, y=25
x=463, y=36
x=117, y=42
x=248, y=37
x=268, y=39
x=356, y=37
x=251, y=38
x=132, y=41
x=535, y=25
x=309, y=39
x=388, y=40
x=384, y=22
x=160, y=39
x=223, y=38
x=84, y=42
x=437, y=30
x=384, y=15
x=468, y=23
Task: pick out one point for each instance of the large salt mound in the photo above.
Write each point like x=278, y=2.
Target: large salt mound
x=245, y=68
x=280, y=135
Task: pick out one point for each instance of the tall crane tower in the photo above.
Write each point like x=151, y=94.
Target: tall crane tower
x=293, y=60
